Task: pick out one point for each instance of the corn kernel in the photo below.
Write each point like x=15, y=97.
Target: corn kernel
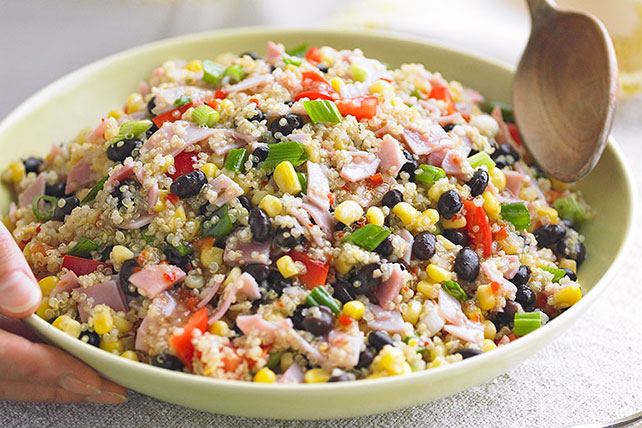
x=485, y=297
x=471, y=311
x=103, y=321
x=290, y=67
x=44, y=305
x=220, y=328
x=567, y=296
x=232, y=276
x=509, y=244
x=113, y=346
x=286, y=361
x=316, y=376
x=546, y=211
x=457, y=222
x=488, y=345
x=120, y=253
x=437, y=189
x=212, y=255
x=406, y=213
x=160, y=203
x=438, y=274
x=116, y=114
x=437, y=362
x=354, y=309
x=271, y=205
x=380, y=87
x=498, y=178
x=130, y=355
x=559, y=185
x=490, y=331
x=426, y=220
x=569, y=264
x=195, y=65
x=122, y=324
x=423, y=86
x=374, y=215
x=135, y=103
x=491, y=206
x=68, y=325
x=343, y=265
x=6, y=220
x=209, y=169
x=347, y=212
x=47, y=284
x=390, y=361
x=265, y=375
x=336, y=83
x=286, y=266
x=15, y=172
x=179, y=217
x=445, y=242
x=412, y=312
x=438, y=351
x=286, y=178
x=428, y=289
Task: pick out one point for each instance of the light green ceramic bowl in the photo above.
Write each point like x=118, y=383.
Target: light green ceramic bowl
x=76, y=101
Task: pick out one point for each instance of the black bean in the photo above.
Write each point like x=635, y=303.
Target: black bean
x=580, y=254
x=467, y=353
x=261, y=153
x=478, y=183
x=245, y=202
x=167, y=361
x=68, y=205
x=449, y=127
x=392, y=198
x=506, y=154
x=277, y=282
x=385, y=248
x=32, y=165
x=510, y=309
x=57, y=190
x=297, y=317
x=366, y=357
x=410, y=166
x=119, y=151
x=467, y=264
x=284, y=125
x=343, y=290
x=128, y=184
x=423, y=248
x=570, y=274
x=259, y=116
x=525, y=296
x=151, y=104
x=127, y=269
x=449, y=204
x=455, y=236
x=549, y=235
x=260, y=225
x=283, y=238
x=251, y=54
x=323, y=68
x=105, y=253
x=90, y=337
x=522, y=276
x=379, y=339
x=189, y=184
x=343, y=377
x=176, y=258
x=575, y=251
x=237, y=330
x=368, y=280
x=288, y=103
x=259, y=272
x=319, y=321
x=151, y=130
x=500, y=164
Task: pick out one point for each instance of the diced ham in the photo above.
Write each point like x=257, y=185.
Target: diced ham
x=389, y=289
x=187, y=132
x=361, y=166
x=99, y=132
x=344, y=348
x=161, y=308
x=321, y=217
x=248, y=287
x=250, y=83
x=67, y=282
x=120, y=174
x=508, y=266
x=505, y=340
x=12, y=211
x=37, y=188
x=431, y=318
x=141, y=221
x=207, y=294
x=390, y=321
x=299, y=137
x=294, y=374
x=143, y=88
x=228, y=139
x=226, y=190
x=244, y=286
x=451, y=118
x=241, y=253
x=304, y=220
x=152, y=196
x=438, y=154
x=390, y=155
x=468, y=331
x=318, y=185
x=106, y=293
x=274, y=53
x=507, y=288
x=299, y=343
x=514, y=181
x=79, y=176
x=455, y=164
x=450, y=308
x=422, y=144
x=152, y=280
x=407, y=236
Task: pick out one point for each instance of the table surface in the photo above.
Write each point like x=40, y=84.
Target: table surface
x=590, y=373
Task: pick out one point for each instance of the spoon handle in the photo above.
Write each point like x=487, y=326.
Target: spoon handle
x=540, y=10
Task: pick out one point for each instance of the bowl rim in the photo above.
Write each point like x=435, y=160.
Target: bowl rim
x=118, y=362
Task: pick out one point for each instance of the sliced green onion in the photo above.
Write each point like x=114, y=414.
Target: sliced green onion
x=303, y=179
x=481, y=158
x=205, y=115
x=50, y=206
x=429, y=174
x=569, y=208
x=94, y=190
x=518, y=214
x=322, y=111
x=212, y=71
x=299, y=51
x=182, y=100
x=235, y=160
x=183, y=250
x=235, y=73
x=557, y=273
x=275, y=360
x=525, y=322
x=455, y=290
x=148, y=238
x=415, y=93
x=507, y=110
x=290, y=151
x=83, y=248
x=292, y=60
x=359, y=73
x=134, y=128
x=320, y=296
x=368, y=237
x=219, y=225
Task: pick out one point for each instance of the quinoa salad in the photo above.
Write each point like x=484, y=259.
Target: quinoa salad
x=311, y=215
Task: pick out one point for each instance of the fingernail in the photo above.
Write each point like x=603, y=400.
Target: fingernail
x=19, y=293
x=106, y=398
x=71, y=384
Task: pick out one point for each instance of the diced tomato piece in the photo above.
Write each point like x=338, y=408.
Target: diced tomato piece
x=443, y=93
x=359, y=107
x=315, y=87
x=376, y=179
x=316, y=270
x=81, y=266
x=514, y=132
x=220, y=94
x=478, y=227
x=254, y=101
x=172, y=198
x=345, y=320
x=182, y=342
x=184, y=163
x=172, y=115
x=494, y=286
x=313, y=55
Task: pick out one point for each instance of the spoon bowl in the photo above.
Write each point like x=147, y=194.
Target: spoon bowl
x=564, y=90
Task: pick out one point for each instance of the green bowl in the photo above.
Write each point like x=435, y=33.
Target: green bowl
x=76, y=101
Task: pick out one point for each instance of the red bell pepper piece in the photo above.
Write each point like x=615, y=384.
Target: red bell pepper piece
x=313, y=55
x=81, y=266
x=316, y=270
x=443, y=93
x=514, y=132
x=315, y=87
x=172, y=115
x=184, y=163
x=359, y=107
x=182, y=342
x=478, y=227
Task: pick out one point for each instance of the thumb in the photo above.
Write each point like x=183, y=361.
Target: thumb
x=20, y=295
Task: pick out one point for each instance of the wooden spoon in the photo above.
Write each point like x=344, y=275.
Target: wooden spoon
x=564, y=90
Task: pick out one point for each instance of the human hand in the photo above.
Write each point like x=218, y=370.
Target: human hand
x=31, y=371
